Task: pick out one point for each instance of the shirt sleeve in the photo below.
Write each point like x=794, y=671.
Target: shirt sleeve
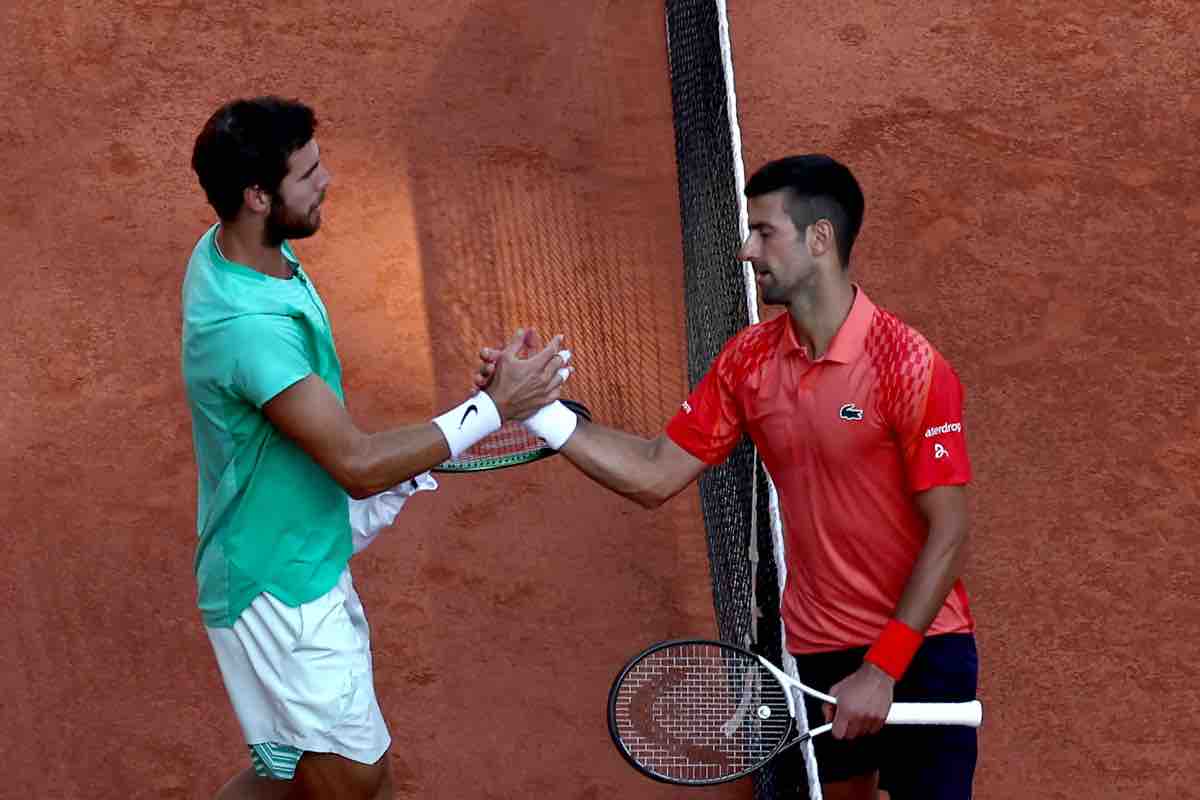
x=708, y=424
x=271, y=355
x=932, y=436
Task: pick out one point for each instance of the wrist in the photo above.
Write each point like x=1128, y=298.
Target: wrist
x=469, y=422
x=893, y=651
x=554, y=423
x=877, y=673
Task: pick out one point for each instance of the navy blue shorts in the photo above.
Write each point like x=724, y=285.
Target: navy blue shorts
x=925, y=762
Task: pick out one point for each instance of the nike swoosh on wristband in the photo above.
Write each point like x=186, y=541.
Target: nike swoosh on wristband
x=466, y=414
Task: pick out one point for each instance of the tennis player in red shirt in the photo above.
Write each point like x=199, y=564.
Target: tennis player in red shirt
x=859, y=422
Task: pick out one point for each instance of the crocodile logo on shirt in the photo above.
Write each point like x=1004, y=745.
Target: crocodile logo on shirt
x=850, y=412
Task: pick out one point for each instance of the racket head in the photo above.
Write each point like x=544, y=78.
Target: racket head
x=697, y=712
x=510, y=446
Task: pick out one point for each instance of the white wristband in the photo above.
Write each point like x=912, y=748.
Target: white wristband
x=468, y=423
x=555, y=423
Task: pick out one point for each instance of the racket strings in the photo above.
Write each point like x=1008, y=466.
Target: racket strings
x=510, y=443
x=512, y=437
x=700, y=713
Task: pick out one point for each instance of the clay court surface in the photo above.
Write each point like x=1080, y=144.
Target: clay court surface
x=1030, y=172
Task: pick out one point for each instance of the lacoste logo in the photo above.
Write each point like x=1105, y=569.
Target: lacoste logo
x=470, y=409
x=850, y=412
x=939, y=451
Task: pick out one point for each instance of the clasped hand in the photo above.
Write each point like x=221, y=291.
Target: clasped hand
x=520, y=386
x=863, y=701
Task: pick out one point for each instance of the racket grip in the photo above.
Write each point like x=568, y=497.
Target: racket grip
x=970, y=713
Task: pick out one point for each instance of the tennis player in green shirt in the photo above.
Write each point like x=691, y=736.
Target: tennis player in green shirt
x=283, y=469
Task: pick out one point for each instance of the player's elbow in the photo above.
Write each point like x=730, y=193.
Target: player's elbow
x=358, y=491
x=354, y=471
x=362, y=481
x=662, y=474
x=951, y=543
x=654, y=493
x=954, y=532
x=649, y=499
x=962, y=543
x=354, y=482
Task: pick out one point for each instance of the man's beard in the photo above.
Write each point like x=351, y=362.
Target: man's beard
x=282, y=225
x=770, y=296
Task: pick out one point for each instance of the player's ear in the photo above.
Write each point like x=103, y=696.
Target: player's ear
x=255, y=199
x=821, y=238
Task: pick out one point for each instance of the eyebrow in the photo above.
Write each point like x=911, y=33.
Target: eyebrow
x=311, y=169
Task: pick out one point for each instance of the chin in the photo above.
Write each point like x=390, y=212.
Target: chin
x=303, y=231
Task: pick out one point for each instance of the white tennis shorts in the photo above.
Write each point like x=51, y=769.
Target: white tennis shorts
x=300, y=678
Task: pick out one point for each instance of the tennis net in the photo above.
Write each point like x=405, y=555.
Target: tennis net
x=737, y=499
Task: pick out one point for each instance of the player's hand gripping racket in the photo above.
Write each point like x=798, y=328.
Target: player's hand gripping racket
x=511, y=445
x=697, y=712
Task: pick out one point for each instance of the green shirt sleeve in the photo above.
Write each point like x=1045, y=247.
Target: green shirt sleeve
x=272, y=354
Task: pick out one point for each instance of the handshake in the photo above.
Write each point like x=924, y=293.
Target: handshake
x=519, y=383
x=524, y=381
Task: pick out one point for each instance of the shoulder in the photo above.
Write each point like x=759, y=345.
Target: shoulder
x=907, y=367
x=220, y=299
x=223, y=324
x=751, y=346
x=199, y=266
x=894, y=346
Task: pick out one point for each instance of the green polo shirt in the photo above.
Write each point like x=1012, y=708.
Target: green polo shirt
x=269, y=518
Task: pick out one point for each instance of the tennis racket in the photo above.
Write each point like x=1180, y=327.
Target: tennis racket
x=513, y=444
x=695, y=712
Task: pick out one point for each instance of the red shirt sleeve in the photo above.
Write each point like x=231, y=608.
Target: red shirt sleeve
x=709, y=424
x=932, y=436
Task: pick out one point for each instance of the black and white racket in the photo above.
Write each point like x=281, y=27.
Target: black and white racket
x=513, y=444
x=696, y=712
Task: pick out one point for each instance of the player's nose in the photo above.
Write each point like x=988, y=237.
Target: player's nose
x=745, y=251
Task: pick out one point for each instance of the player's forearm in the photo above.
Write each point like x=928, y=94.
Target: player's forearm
x=622, y=462
x=381, y=460
x=938, y=566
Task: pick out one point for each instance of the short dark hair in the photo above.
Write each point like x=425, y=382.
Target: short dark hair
x=818, y=188
x=248, y=142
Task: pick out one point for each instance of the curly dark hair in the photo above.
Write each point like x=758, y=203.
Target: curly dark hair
x=247, y=142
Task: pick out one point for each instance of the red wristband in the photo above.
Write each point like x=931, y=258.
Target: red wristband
x=895, y=648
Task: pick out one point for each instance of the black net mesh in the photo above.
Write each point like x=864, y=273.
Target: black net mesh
x=715, y=297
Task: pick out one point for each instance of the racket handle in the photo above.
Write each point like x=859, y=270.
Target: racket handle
x=970, y=713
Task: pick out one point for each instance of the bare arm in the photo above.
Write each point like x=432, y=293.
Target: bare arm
x=942, y=558
x=364, y=464
x=648, y=471
x=865, y=696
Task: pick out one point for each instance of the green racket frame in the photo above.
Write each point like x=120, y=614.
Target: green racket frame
x=528, y=456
